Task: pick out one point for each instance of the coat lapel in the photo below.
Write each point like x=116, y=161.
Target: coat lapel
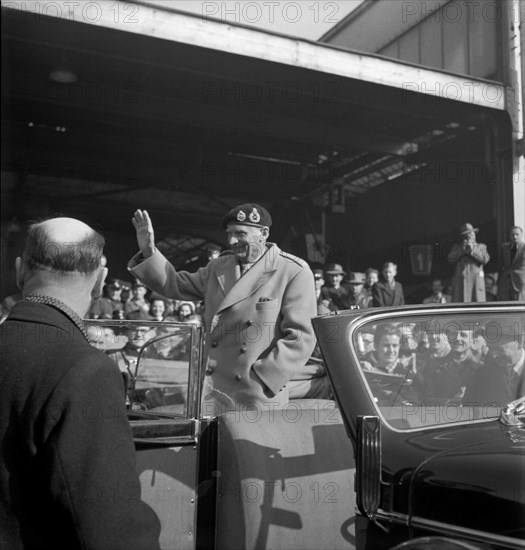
x=518, y=258
x=251, y=281
x=227, y=273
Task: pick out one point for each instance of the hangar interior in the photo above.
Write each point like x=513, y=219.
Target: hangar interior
x=98, y=121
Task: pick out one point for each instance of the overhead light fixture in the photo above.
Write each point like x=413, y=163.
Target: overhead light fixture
x=63, y=73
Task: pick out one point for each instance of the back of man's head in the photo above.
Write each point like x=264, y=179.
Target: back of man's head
x=62, y=260
x=63, y=246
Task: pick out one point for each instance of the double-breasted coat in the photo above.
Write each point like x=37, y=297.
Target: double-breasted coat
x=384, y=295
x=468, y=279
x=511, y=282
x=259, y=331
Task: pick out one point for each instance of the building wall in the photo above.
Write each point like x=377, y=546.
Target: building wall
x=458, y=36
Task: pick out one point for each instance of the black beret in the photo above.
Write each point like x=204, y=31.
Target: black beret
x=248, y=214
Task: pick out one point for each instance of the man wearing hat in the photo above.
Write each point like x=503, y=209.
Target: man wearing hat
x=258, y=304
x=138, y=301
x=468, y=257
x=335, y=292
x=358, y=295
x=105, y=308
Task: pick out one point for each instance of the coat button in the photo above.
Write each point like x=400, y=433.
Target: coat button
x=209, y=371
x=238, y=377
x=214, y=344
x=243, y=350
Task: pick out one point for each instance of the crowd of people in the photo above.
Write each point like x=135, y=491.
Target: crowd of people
x=133, y=301
x=469, y=282
x=452, y=362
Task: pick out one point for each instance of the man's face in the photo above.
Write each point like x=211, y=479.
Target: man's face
x=506, y=355
x=388, y=350
x=437, y=287
x=469, y=237
x=114, y=293
x=335, y=279
x=479, y=345
x=246, y=242
x=355, y=289
x=515, y=236
x=140, y=336
x=139, y=292
x=319, y=281
x=436, y=340
x=371, y=279
x=460, y=341
x=389, y=273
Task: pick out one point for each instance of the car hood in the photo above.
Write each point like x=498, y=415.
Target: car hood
x=477, y=483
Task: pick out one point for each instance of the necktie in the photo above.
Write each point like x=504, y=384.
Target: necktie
x=513, y=250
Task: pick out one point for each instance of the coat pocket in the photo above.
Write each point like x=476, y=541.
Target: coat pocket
x=266, y=305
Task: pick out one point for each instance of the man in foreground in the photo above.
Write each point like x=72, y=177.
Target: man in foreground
x=68, y=477
x=258, y=300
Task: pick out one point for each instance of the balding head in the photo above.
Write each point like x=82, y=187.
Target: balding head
x=62, y=260
x=63, y=246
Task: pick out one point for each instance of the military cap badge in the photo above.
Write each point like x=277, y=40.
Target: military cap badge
x=241, y=216
x=254, y=216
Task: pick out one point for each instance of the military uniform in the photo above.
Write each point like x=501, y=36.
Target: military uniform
x=258, y=325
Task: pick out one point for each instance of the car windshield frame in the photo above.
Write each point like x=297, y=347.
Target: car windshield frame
x=358, y=321
x=192, y=338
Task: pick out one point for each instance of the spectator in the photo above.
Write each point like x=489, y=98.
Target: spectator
x=334, y=292
x=365, y=344
x=438, y=348
x=491, y=289
x=372, y=277
x=324, y=305
x=58, y=461
x=138, y=300
x=501, y=379
x=125, y=295
x=258, y=300
x=437, y=296
x=512, y=258
x=396, y=388
x=357, y=295
x=446, y=378
x=388, y=292
x=468, y=257
x=184, y=311
x=105, y=307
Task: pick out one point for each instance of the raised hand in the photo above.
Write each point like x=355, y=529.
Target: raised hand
x=145, y=235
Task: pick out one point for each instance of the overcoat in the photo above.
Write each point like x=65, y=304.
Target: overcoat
x=68, y=476
x=384, y=295
x=259, y=331
x=511, y=282
x=468, y=279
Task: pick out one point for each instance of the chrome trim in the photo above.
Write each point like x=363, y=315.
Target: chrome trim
x=463, y=532
x=448, y=529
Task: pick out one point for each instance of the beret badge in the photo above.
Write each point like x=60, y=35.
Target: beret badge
x=254, y=216
x=241, y=216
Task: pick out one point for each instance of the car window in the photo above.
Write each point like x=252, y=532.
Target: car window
x=422, y=371
x=155, y=361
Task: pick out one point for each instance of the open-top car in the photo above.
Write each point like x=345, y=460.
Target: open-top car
x=435, y=456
